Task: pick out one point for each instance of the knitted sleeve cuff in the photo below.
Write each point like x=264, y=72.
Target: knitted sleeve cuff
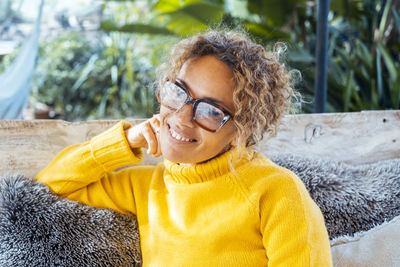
x=111, y=148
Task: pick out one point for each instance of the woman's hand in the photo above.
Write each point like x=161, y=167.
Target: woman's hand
x=146, y=134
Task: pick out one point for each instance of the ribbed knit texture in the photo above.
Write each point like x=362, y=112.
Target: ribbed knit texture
x=203, y=215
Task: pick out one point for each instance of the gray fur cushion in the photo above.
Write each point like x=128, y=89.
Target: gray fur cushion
x=38, y=228
x=352, y=198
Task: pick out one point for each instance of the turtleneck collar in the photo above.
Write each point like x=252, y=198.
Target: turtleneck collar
x=209, y=170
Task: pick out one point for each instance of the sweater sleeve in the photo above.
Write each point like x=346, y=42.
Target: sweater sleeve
x=292, y=225
x=83, y=172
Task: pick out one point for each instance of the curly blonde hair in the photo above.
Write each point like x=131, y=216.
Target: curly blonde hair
x=263, y=87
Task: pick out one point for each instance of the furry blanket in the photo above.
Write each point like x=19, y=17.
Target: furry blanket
x=351, y=198
x=38, y=228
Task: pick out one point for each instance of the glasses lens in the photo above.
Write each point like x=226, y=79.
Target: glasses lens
x=209, y=116
x=172, y=96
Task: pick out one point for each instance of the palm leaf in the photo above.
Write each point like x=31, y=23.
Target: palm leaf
x=110, y=26
x=389, y=62
x=396, y=19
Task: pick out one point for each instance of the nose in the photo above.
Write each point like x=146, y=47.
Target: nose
x=185, y=115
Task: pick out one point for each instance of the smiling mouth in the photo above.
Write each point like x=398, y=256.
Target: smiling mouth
x=178, y=137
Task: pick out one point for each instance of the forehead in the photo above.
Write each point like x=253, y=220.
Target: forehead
x=209, y=77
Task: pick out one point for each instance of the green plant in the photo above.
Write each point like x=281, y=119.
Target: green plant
x=365, y=65
x=97, y=77
x=363, y=71
x=110, y=74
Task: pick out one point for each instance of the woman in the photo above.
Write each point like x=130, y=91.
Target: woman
x=213, y=201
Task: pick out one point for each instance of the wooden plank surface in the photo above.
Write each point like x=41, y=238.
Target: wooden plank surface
x=360, y=137
x=354, y=137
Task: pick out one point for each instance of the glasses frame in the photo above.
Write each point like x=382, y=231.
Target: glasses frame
x=195, y=102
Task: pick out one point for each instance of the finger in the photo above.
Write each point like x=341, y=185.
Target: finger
x=158, y=153
x=155, y=126
x=151, y=138
x=162, y=118
x=158, y=149
x=132, y=136
x=155, y=123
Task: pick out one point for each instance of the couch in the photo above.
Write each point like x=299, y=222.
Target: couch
x=349, y=162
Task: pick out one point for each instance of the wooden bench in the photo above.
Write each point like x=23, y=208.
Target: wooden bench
x=360, y=137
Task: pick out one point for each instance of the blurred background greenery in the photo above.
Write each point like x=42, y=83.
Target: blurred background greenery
x=108, y=72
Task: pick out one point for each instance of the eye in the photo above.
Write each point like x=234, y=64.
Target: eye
x=172, y=95
x=214, y=113
x=208, y=115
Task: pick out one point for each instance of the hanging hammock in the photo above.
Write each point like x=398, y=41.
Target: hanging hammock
x=15, y=82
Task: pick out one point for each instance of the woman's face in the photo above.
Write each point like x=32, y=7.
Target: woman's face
x=205, y=77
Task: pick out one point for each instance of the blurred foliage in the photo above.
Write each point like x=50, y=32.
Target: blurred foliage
x=98, y=75
x=103, y=76
x=109, y=74
x=365, y=63
x=364, y=41
x=8, y=13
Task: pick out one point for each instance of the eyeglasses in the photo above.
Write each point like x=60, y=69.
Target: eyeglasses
x=207, y=114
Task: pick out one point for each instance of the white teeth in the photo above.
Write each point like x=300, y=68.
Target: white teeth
x=178, y=137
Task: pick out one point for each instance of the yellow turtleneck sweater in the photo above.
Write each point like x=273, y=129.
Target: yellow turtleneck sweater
x=202, y=215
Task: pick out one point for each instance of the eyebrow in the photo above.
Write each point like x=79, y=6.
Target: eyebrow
x=206, y=98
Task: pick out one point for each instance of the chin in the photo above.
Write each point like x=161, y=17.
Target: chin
x=180, y=157
x=177, y=154
x=177, y=158
x=184, y=158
